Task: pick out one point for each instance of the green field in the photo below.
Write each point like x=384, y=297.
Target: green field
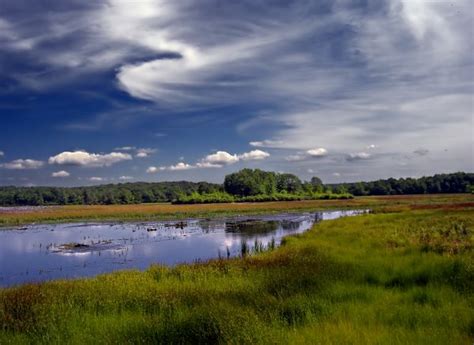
x=402, y=275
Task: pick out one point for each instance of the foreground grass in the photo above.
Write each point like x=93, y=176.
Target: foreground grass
x=386, y=278
x=151, y=212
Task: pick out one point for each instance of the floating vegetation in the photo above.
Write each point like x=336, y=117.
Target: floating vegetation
x=73, y=245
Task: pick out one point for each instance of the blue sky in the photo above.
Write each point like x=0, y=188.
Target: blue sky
x=112, y=91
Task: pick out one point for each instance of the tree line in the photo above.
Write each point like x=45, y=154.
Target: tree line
x=123, y=193
x=247, y=184
x=459, y=182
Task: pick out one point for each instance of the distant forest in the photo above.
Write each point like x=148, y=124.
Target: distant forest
x=245, y=182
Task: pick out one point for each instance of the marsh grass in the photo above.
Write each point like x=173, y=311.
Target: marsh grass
x=166, y=211
x=343, y=282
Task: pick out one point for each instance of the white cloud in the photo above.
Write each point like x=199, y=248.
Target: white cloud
x=372, y=146
x=180, y=166
x=266, y=143
x=144, y=152
x=22, y=164
x=358, y=156
x=2, y=154
x=62, y=173
x=83, y=158
x=254, y=155
x=318, y=152
x=125, y=148
x=396, y=63
x=152, y=170
x=295, y=158
x=336, y=174
x=207, y=165
x=221, y=158
x=96, y=179
x=215, y=160
x=125, y=178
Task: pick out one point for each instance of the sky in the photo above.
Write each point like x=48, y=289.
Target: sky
x=95, y=92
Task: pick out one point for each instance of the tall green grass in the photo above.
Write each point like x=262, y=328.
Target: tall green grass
x=404, y=278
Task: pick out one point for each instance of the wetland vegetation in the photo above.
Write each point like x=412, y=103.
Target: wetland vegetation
x=402, y=274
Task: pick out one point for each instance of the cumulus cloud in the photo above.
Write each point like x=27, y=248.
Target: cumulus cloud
x=152, y=170
x=22, y=164
x=180, y=166
x=125, y=178
x=221, y=158
x=84, y=158
x=358, y=156
x=318, y=152
x=96, y=179
x=214, y=160
x=144, y=152
x=62, y=173
x=254, y=155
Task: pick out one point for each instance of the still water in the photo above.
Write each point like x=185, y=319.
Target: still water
x=46, y=252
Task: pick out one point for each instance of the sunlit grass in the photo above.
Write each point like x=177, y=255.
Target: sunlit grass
x=384, y=278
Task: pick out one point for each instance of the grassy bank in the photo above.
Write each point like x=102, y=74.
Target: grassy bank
x=401, y=276
x=165, y=211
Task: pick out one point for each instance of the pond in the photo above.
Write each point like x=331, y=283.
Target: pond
x=45, y=252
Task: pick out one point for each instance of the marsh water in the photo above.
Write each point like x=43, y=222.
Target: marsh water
x=45, y=252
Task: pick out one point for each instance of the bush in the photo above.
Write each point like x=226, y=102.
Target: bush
x=209, y=198
x=221, y=197
x=330, y=196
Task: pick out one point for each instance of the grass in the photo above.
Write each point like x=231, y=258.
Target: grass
x=166, y=211
x=403, y=275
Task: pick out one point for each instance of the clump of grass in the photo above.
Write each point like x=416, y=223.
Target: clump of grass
x=244, y=249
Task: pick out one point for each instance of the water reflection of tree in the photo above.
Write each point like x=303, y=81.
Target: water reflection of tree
x=208, y=226
x=252, y=227
x=318, y=216
x=290, y=224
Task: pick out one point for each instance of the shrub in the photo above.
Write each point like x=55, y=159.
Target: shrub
x=209, y=198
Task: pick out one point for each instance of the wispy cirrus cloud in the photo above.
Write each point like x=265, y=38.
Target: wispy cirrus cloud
x=336, y=74
x=266, y=143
